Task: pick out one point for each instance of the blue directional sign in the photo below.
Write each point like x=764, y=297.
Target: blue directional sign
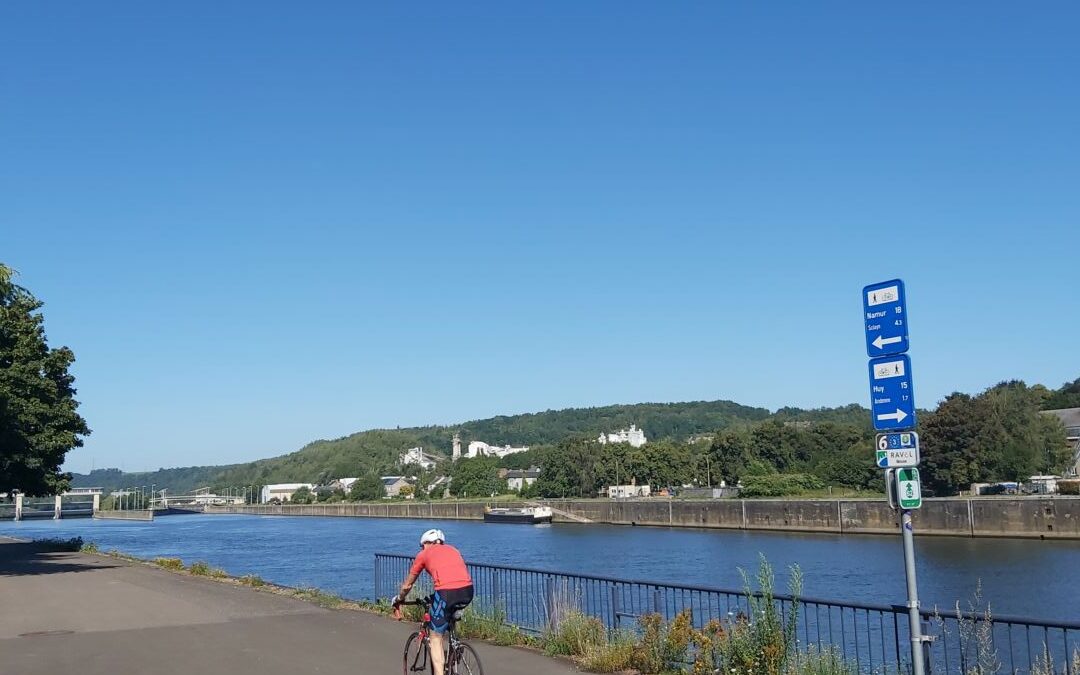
x=892, y=396
x=885, y=318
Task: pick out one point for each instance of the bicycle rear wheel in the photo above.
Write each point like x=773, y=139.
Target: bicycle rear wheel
x=465, y=661
x=415, y=660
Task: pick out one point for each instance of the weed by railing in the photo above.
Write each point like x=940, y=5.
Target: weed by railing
x=869, y=638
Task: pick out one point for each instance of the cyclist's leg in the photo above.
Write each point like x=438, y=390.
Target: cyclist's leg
x=437, y=638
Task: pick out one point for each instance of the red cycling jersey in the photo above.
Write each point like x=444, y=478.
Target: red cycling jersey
x=445, y=565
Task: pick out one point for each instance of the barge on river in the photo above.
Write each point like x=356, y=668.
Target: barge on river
x=529, y=515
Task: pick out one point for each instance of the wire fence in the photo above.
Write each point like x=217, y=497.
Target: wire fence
x=874, y=638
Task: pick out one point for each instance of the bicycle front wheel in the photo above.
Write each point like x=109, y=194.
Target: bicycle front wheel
x=416, y=660
x=465, y=661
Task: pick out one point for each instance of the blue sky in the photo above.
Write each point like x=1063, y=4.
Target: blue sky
x=260, y=224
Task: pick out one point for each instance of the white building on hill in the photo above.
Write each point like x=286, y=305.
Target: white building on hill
x=634, y=436
x=482, y=449
x=417, y=456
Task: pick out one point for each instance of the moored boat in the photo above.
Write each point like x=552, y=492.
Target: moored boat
x=529, y=515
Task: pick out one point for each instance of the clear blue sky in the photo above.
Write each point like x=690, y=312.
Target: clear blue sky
x=260, y=224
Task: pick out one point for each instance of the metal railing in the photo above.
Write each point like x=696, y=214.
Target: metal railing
x=874, y=638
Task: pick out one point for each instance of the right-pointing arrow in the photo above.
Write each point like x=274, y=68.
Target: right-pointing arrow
x=880, y=342
x=899, y=416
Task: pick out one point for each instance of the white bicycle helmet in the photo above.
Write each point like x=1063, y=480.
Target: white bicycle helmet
x=432, y=537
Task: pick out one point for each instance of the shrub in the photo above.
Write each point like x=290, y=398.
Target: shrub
x=175, y=564
x=663, y=647
x=253, y=580
x=573, y=634
x=200, y=568
x=614, y=655
x=90, y=547
x=319, y=597
x=824, y=661
x=762, y=642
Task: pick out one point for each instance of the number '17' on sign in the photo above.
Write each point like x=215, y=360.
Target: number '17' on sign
x=892, y=395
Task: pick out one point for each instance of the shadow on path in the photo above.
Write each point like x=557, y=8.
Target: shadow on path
x=24, y=558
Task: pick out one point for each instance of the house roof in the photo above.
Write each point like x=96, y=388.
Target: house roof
x=1070, y=417
x=523, y=473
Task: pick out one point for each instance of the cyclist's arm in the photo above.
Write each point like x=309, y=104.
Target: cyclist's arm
x=407, y=586
x=414, y=574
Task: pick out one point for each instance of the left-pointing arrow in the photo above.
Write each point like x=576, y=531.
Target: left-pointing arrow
x=880, y=342
x=899, y=416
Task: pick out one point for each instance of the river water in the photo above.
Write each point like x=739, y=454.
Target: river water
x=1030, y=578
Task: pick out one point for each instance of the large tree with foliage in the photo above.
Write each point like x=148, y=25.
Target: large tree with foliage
x=998, y=435
x=367, y=488
x=1066, y=397
x=476, y=477
x=39, y=419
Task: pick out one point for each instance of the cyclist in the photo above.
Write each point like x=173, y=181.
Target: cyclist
x=453, y=588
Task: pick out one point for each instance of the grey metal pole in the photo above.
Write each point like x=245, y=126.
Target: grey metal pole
x=914, y=620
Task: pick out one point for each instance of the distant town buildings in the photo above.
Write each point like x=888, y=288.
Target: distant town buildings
x=516, y=479
x=1070, y=418
x=634, y=436
x=392, y=485
x=84, y=491
x=628, y=491
x=343, y=484
x=417, y=456
x=282, y=491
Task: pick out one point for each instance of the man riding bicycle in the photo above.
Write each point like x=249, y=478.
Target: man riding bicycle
x=453, y=588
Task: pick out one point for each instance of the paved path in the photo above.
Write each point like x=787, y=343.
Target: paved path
x=90, y=615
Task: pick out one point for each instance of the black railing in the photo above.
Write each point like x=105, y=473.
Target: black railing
x=874, y=638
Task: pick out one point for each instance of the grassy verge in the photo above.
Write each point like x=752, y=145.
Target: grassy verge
x=760, y=644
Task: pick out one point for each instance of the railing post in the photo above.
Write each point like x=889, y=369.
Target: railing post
x=378, y=579
x=658, y=605
x=550, y=601
x=615, y=618
x=494, y=590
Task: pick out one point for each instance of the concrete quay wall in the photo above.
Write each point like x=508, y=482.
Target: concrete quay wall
x=1029, y=517
x=131, y=514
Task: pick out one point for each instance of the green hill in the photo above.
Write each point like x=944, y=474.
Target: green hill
x=377, y=450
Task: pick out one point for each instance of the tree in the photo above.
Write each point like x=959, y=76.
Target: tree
x=303, y=496
x=476, y=477
x=1066, y=397
x=998, y=435
x=367, y=489
x=39, y=422
x=573, y=468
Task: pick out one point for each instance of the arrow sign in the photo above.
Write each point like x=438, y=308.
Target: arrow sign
x=909, y=488
x=880, y=342
x=899, y=416
x=892, y=395
x=885, y=318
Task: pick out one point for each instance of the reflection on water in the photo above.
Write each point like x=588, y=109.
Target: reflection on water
x=1020, y=577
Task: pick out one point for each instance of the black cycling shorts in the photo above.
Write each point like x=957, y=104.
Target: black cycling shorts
x=445, y=603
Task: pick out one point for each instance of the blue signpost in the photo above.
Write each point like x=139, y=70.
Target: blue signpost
x=892, y=395
x=885, y=318
x=892, y=407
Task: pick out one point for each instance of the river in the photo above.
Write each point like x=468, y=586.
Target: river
x=1018, y=577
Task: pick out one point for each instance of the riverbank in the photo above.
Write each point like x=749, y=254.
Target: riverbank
x=1028, y=517
x=99, y=615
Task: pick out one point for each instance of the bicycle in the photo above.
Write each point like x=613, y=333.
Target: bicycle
x=461, y=658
